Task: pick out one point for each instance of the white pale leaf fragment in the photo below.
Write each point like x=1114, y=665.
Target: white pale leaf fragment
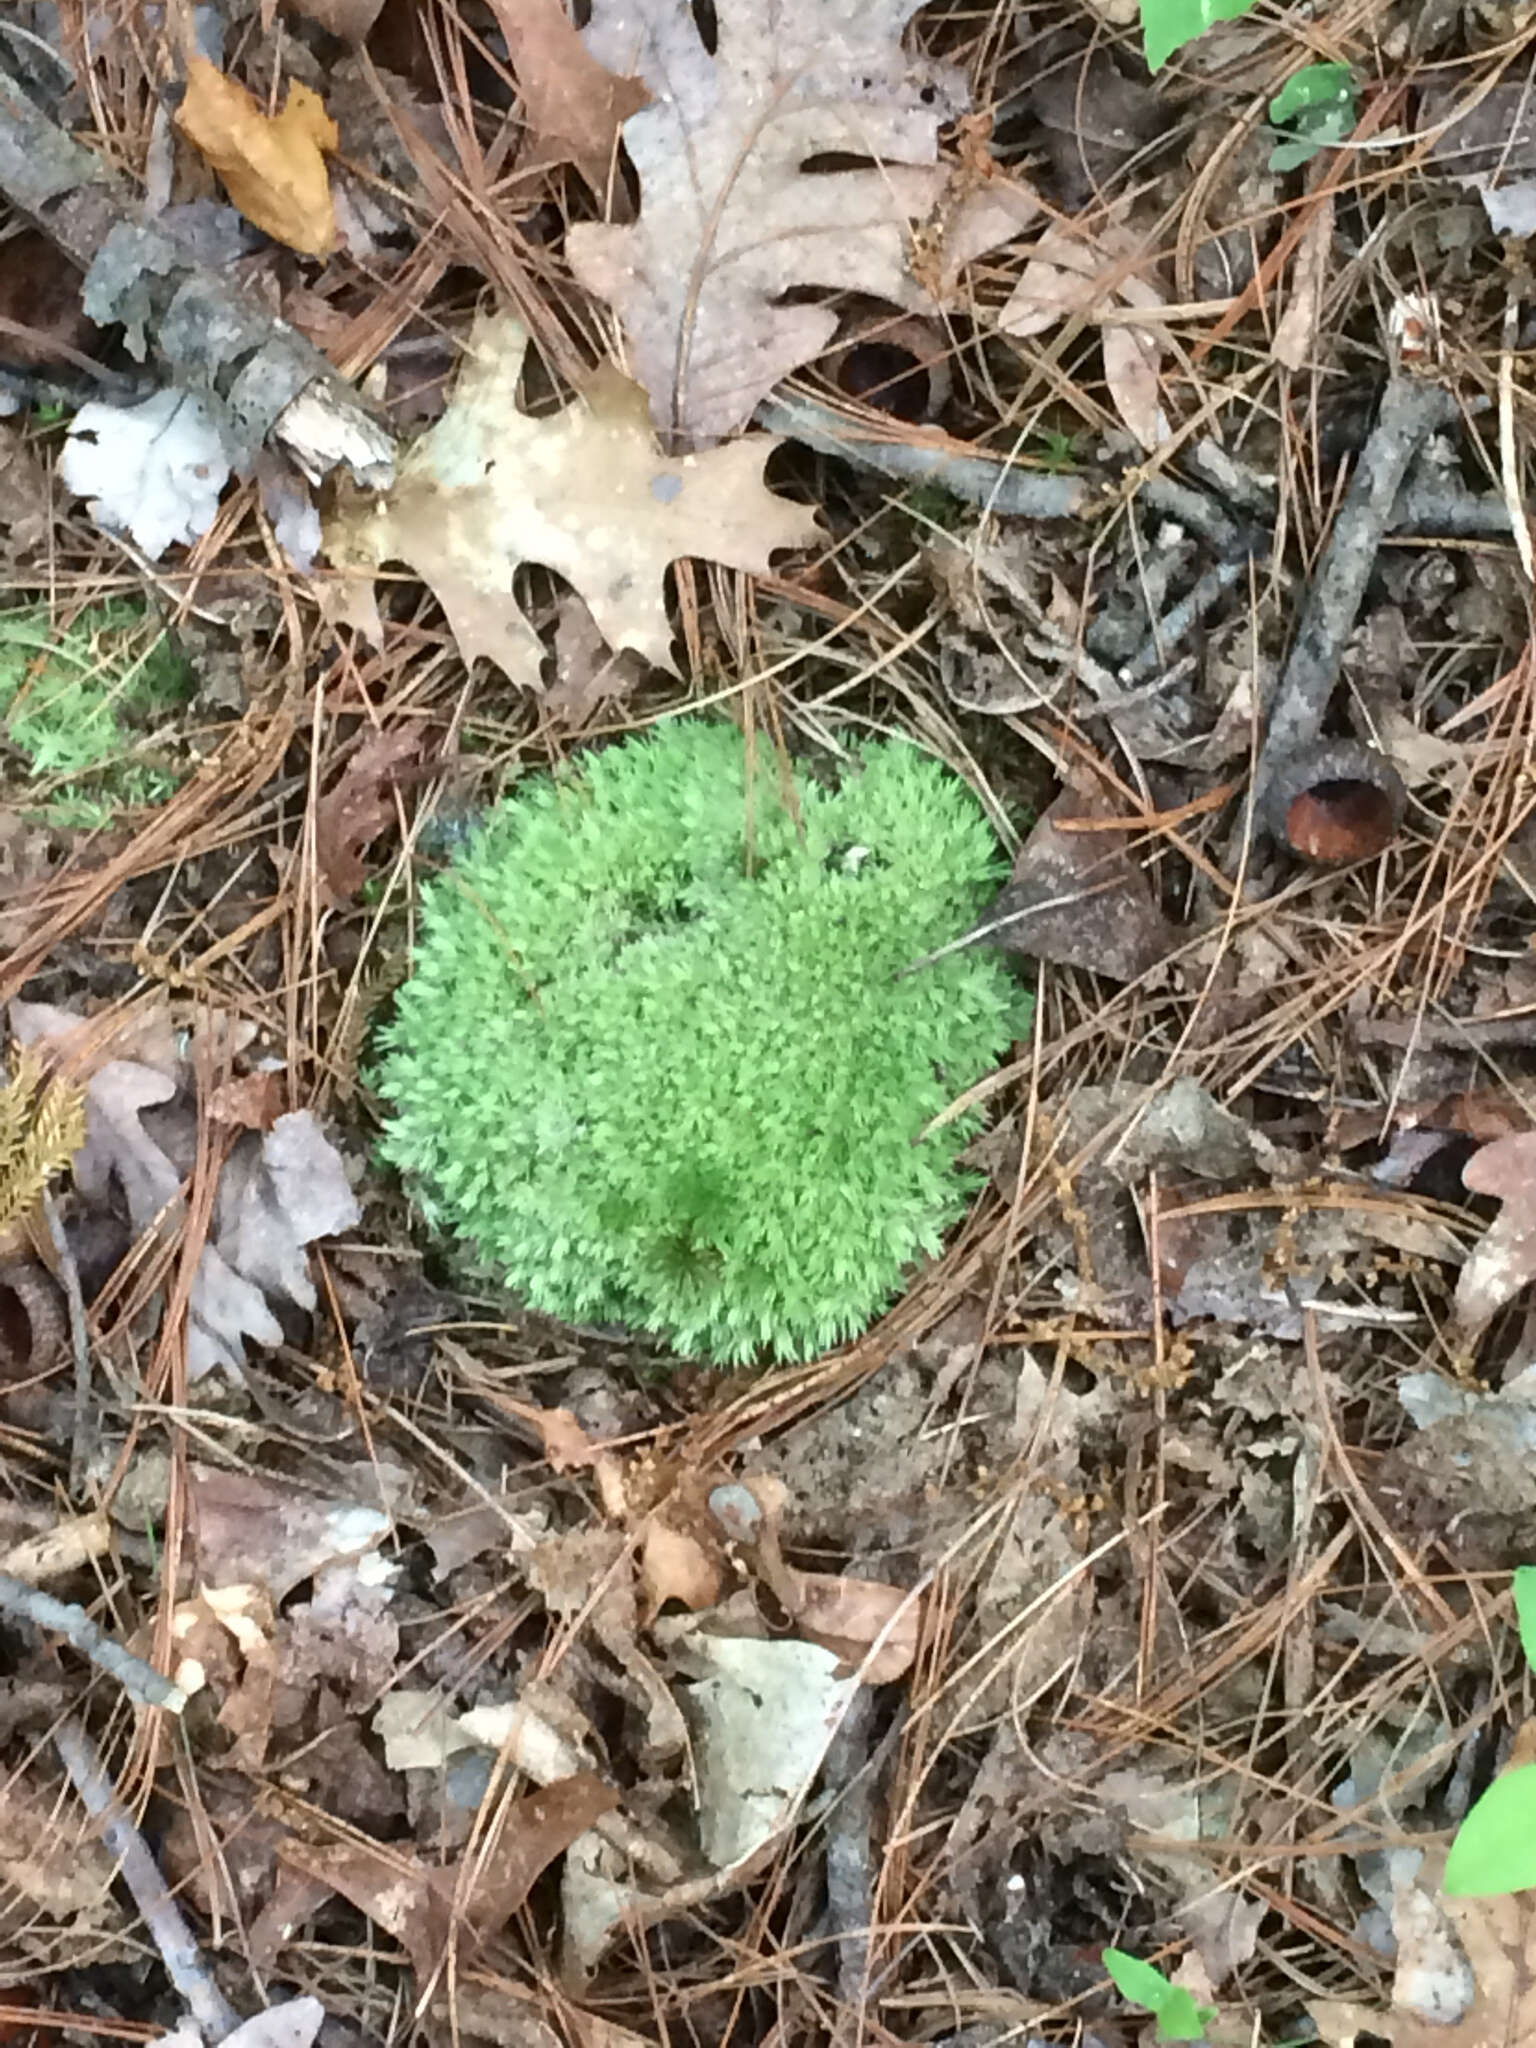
x=153, y=471
x=762, y=1718
x=418, y=1732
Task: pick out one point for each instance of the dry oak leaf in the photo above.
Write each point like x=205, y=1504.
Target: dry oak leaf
x=585, y=492
x=420, y=1904
x=358, y=806
x=1504, y=1259
x=1066, y=278
x=272, y=165
x=572, y=105
x=730, y=221
x=1499, y=1940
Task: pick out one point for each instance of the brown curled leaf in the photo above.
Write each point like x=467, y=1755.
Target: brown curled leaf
x=358, y=806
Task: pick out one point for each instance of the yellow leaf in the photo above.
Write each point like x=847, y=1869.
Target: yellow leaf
x=273, y=166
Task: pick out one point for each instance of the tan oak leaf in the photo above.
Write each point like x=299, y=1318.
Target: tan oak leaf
x=573, y=107
x=730, y=217
x=586, y=492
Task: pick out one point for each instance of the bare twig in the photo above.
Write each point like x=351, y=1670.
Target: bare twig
x=1180, y=620
x=1410, y=411
x=80, y=1343
x=141, y=1681
x=184, y=1965
x=848, y=1777
x=985, y=480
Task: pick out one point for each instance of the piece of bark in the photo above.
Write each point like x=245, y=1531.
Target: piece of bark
x=202, y=333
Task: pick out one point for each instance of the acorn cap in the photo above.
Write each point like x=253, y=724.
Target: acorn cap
x=896, y=365
x=1335, y=801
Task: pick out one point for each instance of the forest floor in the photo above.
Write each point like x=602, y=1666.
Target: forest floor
x=1141, y=1579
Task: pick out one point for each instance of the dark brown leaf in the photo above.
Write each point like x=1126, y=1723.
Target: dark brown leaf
x=356, y=809
x=573, y=106
x=419, y=1903
x=1078, y=899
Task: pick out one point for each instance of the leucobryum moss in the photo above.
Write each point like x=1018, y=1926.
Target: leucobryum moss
x=78, y=704
x=654, y=1059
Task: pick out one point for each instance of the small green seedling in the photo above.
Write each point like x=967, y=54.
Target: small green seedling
x=1495, y=1847
x=1179, y=2014
x=1167, y=25
x=1058, y=452
x=1319, y=106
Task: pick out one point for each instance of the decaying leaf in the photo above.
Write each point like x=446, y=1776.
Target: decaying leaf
x=566, y=1444
x=279, y=1190
x=762, y=1714
x=1504, y=1260
x=1078, y=898
x=587, y=671
x=272, y=165
x=420, y=1904
x=245, y=1527
x=730, y=222
x=349, y=19
x=1066, y=278
x=1486, y=141
x=872, y=1629
x=358, y=806
x=574, y=108
x=586, y=493
x=675, y=1565
x=60, y=1870
x=1499, y=1940
x=418, y=1732
x=25, y=512
x=153, y=471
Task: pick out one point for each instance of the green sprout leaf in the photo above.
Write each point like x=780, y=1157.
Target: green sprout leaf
x=1315, y=85
x=657, y=1060
x=1167, y=25
x=1179, y=2015
x=1318, y=102
x=1495, y=1847
x=1525, y=1610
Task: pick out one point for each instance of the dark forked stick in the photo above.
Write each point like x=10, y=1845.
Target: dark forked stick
x=1287, y=772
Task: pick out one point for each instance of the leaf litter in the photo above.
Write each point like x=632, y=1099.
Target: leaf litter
x=1142, y=1580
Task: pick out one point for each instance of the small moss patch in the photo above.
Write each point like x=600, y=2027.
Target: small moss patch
x=80, y=705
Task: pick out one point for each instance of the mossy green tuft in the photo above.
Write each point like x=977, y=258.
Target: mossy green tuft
x=78, y=704
x=654, y=1059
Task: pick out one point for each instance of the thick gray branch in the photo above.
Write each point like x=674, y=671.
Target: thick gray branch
x=203, y=334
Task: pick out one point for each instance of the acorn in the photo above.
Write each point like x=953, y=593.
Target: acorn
x=1336, y=801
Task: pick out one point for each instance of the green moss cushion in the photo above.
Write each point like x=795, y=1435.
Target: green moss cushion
x=654, y=1060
